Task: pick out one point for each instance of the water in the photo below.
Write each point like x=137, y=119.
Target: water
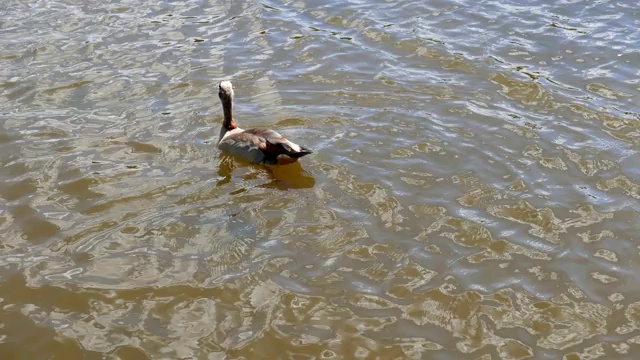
x=474, y=191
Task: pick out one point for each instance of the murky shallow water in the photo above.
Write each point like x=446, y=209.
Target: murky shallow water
x=474, y=193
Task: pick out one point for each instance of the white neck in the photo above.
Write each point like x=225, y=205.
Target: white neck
x=223, y=131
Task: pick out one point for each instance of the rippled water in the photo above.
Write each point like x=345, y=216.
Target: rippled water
x=474, y=191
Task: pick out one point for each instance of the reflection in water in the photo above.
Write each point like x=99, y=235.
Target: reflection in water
x=291, y=176
x=474, y=194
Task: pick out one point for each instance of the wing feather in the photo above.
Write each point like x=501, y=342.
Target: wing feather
x=272, y=145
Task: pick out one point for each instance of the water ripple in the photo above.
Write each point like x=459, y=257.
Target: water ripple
x=472, y=194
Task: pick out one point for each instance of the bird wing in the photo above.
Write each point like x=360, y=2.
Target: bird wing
x=272, y=143
x=273, y=146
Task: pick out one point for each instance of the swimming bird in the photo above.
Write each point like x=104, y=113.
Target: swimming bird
x=259, y=146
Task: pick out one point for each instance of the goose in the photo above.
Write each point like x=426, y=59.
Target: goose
x=258, y=146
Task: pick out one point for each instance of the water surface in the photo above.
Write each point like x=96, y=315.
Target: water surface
x=474, y=191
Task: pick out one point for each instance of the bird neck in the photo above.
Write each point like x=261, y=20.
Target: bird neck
x=228, y=123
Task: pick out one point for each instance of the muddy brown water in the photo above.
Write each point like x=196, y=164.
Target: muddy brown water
x=474, y=192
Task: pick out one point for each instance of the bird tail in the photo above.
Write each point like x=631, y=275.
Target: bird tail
x=303, y=151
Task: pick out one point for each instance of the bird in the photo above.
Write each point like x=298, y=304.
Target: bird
x=257, y=145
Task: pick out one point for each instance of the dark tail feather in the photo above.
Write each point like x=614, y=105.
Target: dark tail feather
x=303, y=151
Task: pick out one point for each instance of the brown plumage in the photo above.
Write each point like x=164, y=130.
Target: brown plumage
x=259, y=146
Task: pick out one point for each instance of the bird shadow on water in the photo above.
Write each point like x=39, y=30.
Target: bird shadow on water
x=284, y=177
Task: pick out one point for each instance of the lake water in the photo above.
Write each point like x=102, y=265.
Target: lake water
x=474, y=191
